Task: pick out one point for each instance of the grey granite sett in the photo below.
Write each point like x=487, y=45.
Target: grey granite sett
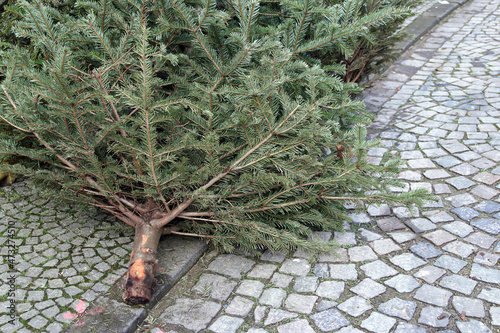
x=360, y=218
x=441, y=189
x=378, y=269
x=369, y=235
x=215, y=286
x=321, y=270
x=403, y=283
x=272, y=297
x=38, y=322
x=295, y=266
x=458, y=228
x=384, y=246
x=239, y=306
x=355, y=306
x=486, y=178
x=488, y=207
x=473, y=326
x=472, y=307
x=465, y=169
x=436, y=174
x=481, y=239
x=402, y=236
x=305, y=284
x=277, y=256
x=460, y=248
x=493, y=154
x=251, y=288
x=451, y=263
x=484, y=192
x=259, y=313
x=460, y=183
x=345, y=238
x=409, y=328
x=379, y=210
x=485, y=274
x=433, y=295
x=281, y=280
x=433, y=203
x=407, y=261
x=300, y=303
x=434, y=317
x=231, y=265
x=405, y=212
x=430, y=273
x=458, y=283
x=368, y=288
x=495, y=315
x=226, y=324
x=420, y=225
x=301, y=325
x=410, y=175
x=491, y=226
x=277, y=315
x=338, y=255
x=378, y=323
x=397, y=307
x=490, y=294
x=390, y=224
x=447, y=161
x=421, y=163
x=262, y=271
x=485, y=258
x=329, y=320
x=460, y=200
x=439, y=237
x=465, y=213
x=200, y=311
x=425, y=250
x=343, y=271
x=330, y=289
x=361, y=253
x=325, y=305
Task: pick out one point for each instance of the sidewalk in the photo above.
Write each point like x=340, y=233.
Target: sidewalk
x=425, y=270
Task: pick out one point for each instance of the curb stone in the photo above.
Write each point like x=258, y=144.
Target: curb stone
x=176, y=255
x=426, y=21
x=122, y=318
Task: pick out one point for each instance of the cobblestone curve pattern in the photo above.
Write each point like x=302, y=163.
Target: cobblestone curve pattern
x=65, y=259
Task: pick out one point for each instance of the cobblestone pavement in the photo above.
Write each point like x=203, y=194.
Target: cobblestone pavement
x=64, y=259
x=433, y=269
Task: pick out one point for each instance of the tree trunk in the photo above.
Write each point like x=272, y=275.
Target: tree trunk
x=140, y=274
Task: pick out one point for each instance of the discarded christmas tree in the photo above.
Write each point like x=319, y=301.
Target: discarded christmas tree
x=195, y=119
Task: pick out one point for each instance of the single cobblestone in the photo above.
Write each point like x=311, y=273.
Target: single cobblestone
x=368, y=288
x=397, y=307
x=470, y=306
x=277, y=315
x=403, y=283
x=433, y=295
x=434, y=317
x=378, y=323
x=458, y=283
x=430, y=274
x=329, y=320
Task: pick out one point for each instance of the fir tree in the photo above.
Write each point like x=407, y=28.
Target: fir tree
x=195, y=118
